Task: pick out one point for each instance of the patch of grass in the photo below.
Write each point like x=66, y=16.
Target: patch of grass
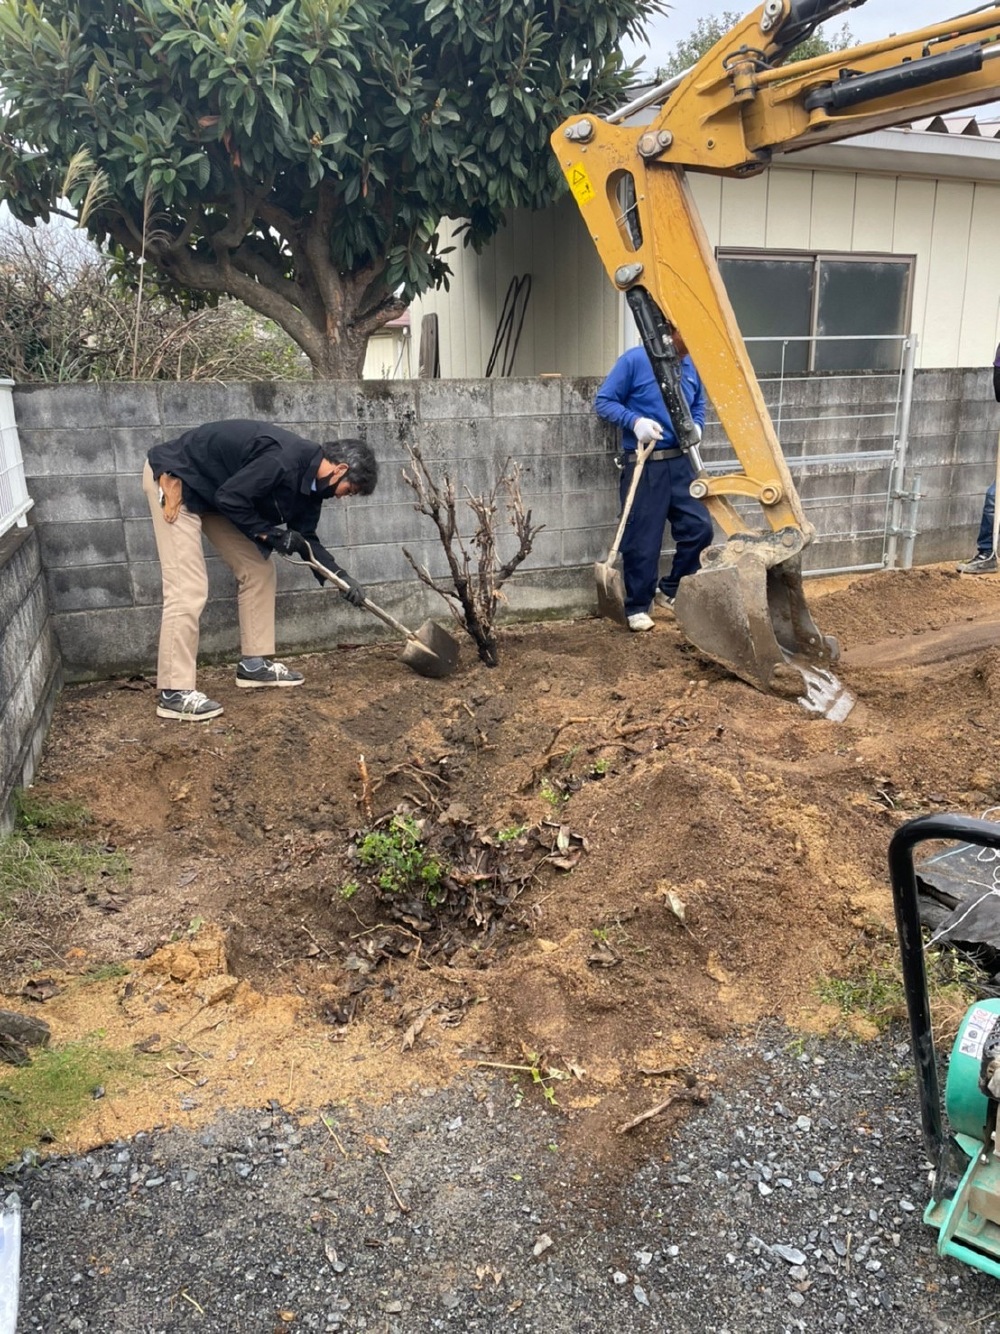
x=41, y=1100
x=402, y=863
x=34, y=861
x=873, y=989
x=36, y=815
x=873, y=994
x=105, y=972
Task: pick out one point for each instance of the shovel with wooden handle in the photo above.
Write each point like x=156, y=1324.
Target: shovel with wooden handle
x=430, y=650
x=609, y=580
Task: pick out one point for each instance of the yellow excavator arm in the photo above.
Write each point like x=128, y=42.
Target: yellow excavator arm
x=743, y=102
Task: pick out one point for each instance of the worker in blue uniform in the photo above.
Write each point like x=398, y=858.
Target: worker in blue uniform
x=630, y=398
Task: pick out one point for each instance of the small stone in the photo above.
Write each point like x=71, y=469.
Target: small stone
x=542, y=1244
x=790, y=1253
x=619, y=1278
x=640, y=1296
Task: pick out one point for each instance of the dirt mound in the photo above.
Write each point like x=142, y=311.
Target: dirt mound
x=643, y=853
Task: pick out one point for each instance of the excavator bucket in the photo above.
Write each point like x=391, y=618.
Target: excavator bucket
x=745, y=609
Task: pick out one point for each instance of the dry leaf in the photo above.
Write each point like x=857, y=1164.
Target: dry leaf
x=377, y=1143
x=39, y=989
x=414, y=1031
x=676, y=905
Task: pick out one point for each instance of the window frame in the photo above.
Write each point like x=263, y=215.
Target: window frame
x=816, y=258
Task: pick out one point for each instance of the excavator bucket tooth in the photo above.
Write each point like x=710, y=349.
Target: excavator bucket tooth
x=745, y=610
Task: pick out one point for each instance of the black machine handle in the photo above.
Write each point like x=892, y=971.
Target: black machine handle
x=963, y=828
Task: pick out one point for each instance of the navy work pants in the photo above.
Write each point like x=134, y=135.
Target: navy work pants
x=984, y=542
x=661, y=497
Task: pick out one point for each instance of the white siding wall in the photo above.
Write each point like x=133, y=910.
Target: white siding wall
x=572, y=317
x=574, y=323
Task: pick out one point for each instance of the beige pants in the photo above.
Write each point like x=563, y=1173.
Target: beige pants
x=185, y=588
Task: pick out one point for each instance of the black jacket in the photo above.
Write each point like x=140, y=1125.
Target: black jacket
x=257, y=475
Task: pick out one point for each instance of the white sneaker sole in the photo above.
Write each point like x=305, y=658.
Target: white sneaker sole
x=206, y=717
x=267, y=685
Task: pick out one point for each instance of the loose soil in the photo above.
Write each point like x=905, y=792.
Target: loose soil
x=645, y=855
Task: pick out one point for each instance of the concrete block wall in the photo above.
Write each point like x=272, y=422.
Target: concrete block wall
x=84, y=447
x=29, y=665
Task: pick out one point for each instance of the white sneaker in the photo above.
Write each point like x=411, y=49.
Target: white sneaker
x=661, y=600
x=640, y=621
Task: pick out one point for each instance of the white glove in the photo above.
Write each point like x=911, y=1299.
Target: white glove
x=646, y=430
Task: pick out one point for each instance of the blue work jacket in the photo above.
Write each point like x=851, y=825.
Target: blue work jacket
x=630, y=391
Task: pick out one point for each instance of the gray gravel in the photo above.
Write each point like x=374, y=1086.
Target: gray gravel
x=792, y=1202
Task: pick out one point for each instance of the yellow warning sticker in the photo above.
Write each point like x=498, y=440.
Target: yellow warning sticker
x=579, y=183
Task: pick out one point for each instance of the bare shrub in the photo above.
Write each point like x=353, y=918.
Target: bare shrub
x=67, y=314
x=477, y=576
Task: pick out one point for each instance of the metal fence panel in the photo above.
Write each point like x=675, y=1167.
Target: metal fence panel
x=844, y=436
x=14, y=499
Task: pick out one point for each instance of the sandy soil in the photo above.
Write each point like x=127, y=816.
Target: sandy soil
x=644, y=855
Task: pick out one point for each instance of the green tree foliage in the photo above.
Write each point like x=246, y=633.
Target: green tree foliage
x=299, y=156
x=711, y=27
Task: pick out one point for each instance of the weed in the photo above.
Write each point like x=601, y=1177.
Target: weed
x=554, y=797
x=348, y=889
x=402, y=862
x=599, y=768
x=39, y=1101
x=511, y=833
x=600, y=933
x=105, y=972
x=543, y=1075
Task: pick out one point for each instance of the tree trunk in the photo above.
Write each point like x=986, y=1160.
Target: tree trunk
x=339, y=356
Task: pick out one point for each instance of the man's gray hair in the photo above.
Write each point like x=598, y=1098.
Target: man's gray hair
x=362, y=466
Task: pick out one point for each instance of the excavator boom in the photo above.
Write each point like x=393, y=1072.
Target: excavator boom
x=744, y=101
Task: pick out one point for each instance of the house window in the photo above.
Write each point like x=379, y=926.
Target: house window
x=830, y=308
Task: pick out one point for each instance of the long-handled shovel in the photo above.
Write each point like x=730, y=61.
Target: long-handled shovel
x=996, y=502
x=609, y=580
x=429, y=651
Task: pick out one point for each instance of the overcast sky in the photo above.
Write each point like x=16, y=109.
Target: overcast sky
x=877, y=18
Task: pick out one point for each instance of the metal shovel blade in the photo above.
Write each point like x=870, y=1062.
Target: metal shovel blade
x=431, y=651
x=745, y=610
x=610, y=592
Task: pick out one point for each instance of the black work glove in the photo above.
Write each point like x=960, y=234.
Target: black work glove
x=289, y=543
x=355, y=594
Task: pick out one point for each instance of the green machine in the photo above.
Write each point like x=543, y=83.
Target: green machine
x=962, y=1139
